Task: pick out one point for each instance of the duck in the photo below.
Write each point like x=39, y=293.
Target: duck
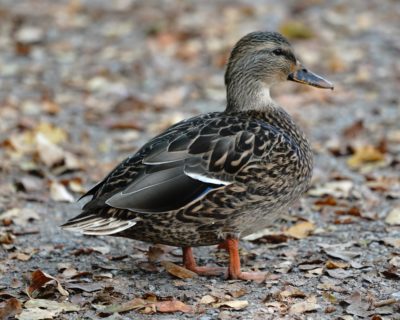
x=217, y=177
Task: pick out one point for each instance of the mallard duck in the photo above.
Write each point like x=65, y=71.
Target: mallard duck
x=216, y=177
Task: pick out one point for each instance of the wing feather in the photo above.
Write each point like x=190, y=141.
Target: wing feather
x=183, y=164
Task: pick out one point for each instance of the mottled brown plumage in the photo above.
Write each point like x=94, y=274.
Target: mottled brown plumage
x=216, y=177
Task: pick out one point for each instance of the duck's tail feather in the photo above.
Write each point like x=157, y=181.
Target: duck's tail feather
x=93, y=224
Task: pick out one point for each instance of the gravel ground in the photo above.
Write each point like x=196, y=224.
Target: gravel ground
x=84, y=83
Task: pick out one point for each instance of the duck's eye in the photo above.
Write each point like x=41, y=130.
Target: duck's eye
x=278, y=52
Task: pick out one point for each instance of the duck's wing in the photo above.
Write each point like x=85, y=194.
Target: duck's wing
x=176, y=168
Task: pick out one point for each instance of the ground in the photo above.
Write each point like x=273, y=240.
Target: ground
x=85, y=83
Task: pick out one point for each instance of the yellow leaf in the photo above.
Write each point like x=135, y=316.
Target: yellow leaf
x=336, y=265
x=365, y=155
x=51, y=132
x=300, y=230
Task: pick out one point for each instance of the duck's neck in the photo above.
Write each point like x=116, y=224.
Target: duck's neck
x=247, y=94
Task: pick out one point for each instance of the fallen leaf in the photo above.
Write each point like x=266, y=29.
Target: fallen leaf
x=395, y=261
x=12, y=308
x=356, y=306
x=234, y=304
x=36, y=314
x=393, y=217
x=392, y=273
x=237, y=293
x=178, y=271
x=336, y=265
x=337, y=189
x=87, y=287
x=54, y=134
x=21, y=256
x=326, y=201
x=37, y=309
x=30, y=183
x=305, y=306
x=134, y=304
x=51, y=305
x=291, y=292
x=296, y=30
x=342, y=254
x=353, y=211
x=208, y=299
x=300, y=230
x=279, y=306
x=59, y=193
x=367, y=154
x=339, y=273
x=40, y=279
x=149, y=306
x=20, y=216
x=172, y=306
x=266, y=236
x=394, y=242
x=354, y=129
x=49, y=153
x=6, y=238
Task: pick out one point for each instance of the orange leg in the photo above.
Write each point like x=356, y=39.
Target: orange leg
x=190, y=263
x=232, y=246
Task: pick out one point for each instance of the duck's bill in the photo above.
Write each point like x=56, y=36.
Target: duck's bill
x=312, y=79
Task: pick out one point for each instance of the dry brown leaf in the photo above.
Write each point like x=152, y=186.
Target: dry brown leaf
x=207, y=299
x=6, y=238
x=337, y=189
x=51, y=305
x=394, y=242
x=291, y=292
x=305, y=306
x=326, y=201
x=354, y=129
x=300, y=230
x=51, y=132
x=12, y=308
x=393, y=217
x=173, y=306
x=59, y=193
x=149, y=305
x=36, y=314
x=353, y=211
x=238, y=293
x=21, y=256
x=39, y=280
x=20, y=217
x=339, y=273
x=336, y=265
x=134, y=304
x=178, y=271
x=234, y=304
x=367, y=154
x=37, y=309
x=49, y=153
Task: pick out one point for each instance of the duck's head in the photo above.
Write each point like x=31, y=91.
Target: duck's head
x=258, y=61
